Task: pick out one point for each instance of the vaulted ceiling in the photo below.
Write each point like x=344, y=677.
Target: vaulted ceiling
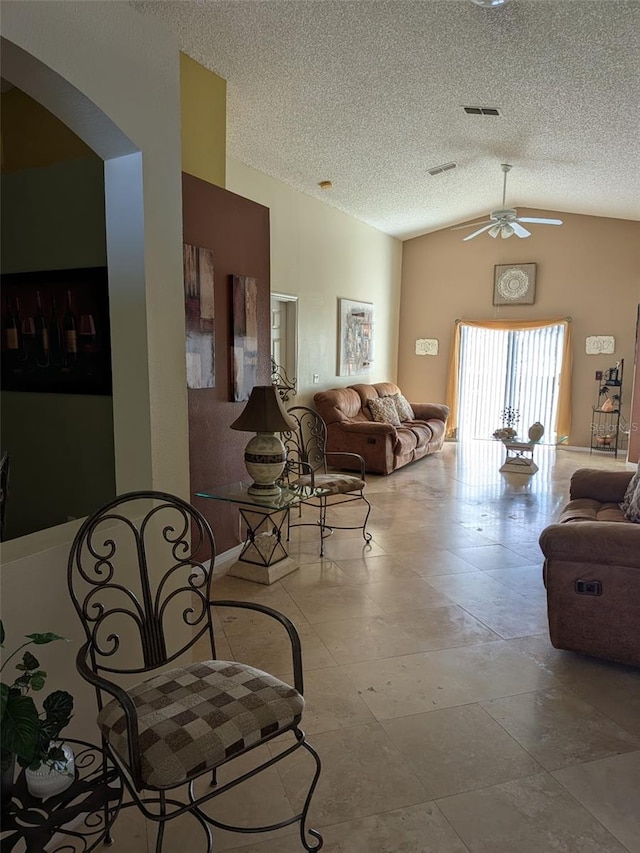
x=371, y=95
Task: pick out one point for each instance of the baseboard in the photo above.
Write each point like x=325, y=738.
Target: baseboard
x=224, y=560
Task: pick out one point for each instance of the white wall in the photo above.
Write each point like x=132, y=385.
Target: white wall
x=321, y=254
x=116, y=84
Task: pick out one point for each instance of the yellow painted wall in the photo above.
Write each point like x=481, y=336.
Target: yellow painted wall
x=33, y=138
x=203, y=109
x=588, y=268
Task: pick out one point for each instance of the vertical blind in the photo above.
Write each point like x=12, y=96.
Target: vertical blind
x=518, y=369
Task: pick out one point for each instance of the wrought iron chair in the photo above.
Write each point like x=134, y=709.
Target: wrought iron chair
x=139, y=579
x=309, y=464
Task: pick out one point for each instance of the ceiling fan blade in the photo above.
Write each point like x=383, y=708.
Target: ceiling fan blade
x=540, y=221
x=470, y=224
x=519, y=231
x=479, y=231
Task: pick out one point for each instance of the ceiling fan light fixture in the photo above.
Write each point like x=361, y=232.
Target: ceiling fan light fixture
x=493, y=232
x=490, y=4
x=506, y=231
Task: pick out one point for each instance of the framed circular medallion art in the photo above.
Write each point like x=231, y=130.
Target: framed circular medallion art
x=514, y=284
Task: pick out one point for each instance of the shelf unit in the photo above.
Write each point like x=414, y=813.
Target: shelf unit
x=605, y=423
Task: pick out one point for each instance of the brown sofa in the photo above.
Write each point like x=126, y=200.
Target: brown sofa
x=384, y=447
x=592, y=570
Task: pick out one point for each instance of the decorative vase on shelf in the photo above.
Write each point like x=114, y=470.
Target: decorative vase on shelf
x=608, y=406
x=49, y=780
x=536, y=431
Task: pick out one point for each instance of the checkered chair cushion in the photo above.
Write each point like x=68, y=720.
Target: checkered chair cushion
x=332, y=484
x=192, y=719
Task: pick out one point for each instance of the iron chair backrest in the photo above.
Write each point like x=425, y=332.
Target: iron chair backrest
x=138, y=574
x=306, y=446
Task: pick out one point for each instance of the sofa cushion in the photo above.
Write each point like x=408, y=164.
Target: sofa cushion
x=406, y=442
x=588, y=509
x=422, y=432
x=384, y=411
x=403, y=406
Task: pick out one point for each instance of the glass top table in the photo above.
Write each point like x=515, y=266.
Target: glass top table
x=238, y=493
x=264, y=557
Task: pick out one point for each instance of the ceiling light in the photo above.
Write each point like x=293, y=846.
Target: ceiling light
x=493, y=232
x=490, y=4
x=506, y=231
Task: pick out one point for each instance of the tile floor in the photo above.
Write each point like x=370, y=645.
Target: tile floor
x=445, y=720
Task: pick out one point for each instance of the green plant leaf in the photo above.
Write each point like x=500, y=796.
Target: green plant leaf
x=29, y=663
x=58, y=707
x=19, y=725
x=38, y=679
x=42, y=639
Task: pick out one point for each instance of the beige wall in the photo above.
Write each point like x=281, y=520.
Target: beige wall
x=588, y=268
x=320, y=254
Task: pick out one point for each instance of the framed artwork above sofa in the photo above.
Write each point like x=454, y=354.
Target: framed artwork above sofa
x=355, y=337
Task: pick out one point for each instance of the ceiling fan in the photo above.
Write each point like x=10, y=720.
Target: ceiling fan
x=505, y=221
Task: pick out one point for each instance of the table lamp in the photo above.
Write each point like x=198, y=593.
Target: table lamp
x=265, y=454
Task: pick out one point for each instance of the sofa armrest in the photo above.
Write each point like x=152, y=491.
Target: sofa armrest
x=430, y=411
x=607, y=542
x=367, y=428
x=603, y=486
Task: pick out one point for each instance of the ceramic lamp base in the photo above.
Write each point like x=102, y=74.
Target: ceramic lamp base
x=264, y=458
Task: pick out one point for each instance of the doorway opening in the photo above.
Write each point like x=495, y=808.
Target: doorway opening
x=284, y=335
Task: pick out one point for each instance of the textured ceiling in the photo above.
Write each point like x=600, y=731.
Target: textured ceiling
x=369, y=95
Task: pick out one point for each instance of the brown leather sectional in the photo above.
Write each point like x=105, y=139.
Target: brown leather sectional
x=592, y=570
x=385, y=448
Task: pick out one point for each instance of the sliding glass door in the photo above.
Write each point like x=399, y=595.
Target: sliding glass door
x=508, y=368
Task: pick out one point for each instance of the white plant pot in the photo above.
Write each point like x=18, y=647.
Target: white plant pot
x=47, y=782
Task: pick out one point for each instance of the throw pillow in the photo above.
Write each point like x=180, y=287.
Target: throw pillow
x=384, y=411
x=633, y=510
x=631, y=488
x=405, y=412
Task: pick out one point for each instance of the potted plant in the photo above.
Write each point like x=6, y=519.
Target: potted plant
x=28, y=736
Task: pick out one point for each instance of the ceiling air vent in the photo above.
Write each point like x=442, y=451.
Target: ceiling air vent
x=482, y=111
x=438, y=170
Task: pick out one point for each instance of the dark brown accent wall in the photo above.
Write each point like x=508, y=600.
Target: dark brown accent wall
x=237, y=231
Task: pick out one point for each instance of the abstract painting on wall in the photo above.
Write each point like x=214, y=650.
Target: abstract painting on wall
x=199, y=314
x=355, y=337
x=245, y=336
